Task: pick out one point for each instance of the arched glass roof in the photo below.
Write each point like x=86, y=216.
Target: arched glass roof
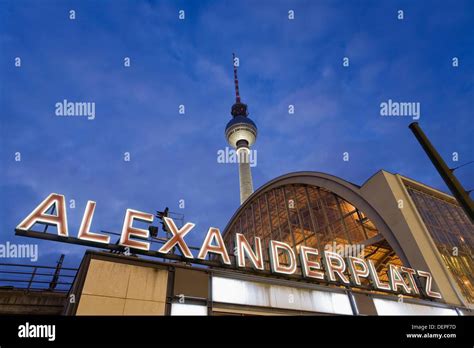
x=304, y=214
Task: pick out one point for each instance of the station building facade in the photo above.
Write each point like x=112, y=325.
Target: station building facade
x=390, y=219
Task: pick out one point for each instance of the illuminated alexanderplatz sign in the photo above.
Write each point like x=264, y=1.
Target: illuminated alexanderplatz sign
x=331, y=268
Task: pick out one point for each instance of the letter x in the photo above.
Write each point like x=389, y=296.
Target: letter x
x=177, y=238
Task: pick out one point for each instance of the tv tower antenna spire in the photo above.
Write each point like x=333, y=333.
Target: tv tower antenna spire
x=236, y=80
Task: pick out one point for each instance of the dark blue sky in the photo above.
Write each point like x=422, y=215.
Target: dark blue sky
x=189, y=62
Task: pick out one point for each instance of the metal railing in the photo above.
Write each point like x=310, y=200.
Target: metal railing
x=34, y=277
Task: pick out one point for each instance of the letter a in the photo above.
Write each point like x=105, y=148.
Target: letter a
x=38, y=215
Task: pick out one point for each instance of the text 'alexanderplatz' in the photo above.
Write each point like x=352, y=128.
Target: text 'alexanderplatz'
x=319, y=266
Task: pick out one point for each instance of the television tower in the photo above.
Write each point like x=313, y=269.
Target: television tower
x=241, y=133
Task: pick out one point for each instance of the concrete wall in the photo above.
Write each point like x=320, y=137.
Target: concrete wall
x=113, y=288
x=18, y=301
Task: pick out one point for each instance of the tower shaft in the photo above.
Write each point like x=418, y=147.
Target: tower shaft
x=245, y=175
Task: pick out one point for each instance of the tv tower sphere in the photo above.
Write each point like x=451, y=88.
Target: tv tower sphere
x=241, y=132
